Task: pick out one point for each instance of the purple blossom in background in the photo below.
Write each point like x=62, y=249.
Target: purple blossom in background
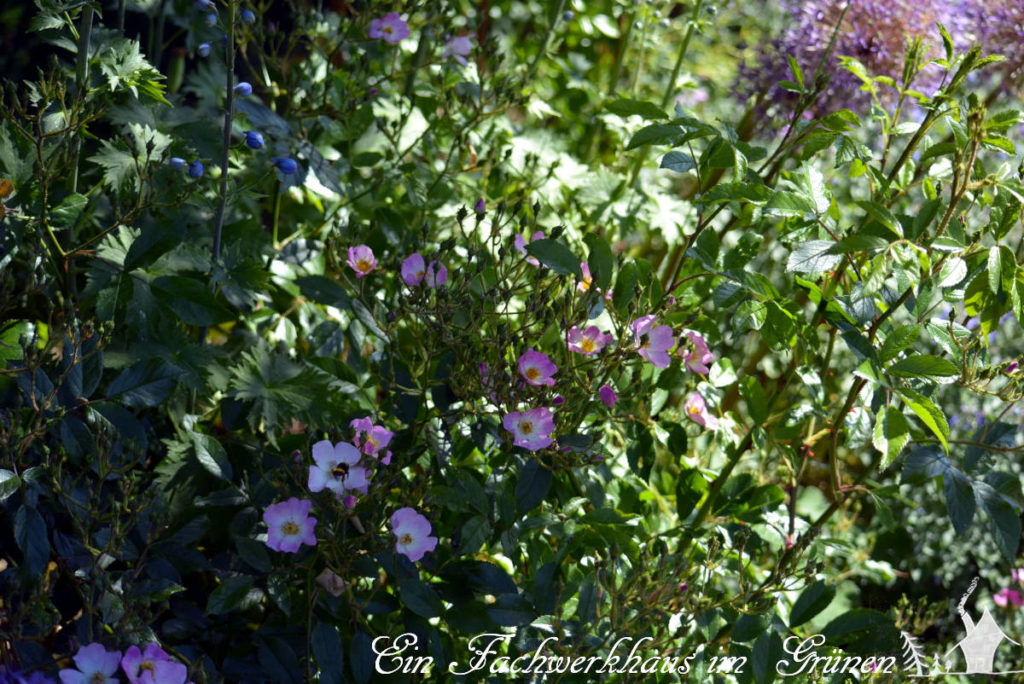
x=96, y=665
x=390, y=27
x=459, y=48
x=874, y=32
x=1000, y=30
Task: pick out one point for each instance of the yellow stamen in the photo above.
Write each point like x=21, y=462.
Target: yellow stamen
x=405, y=539
x=532, y=373
x=290, y=528
x=363, y=265
x=587, y=344
x=526, y=428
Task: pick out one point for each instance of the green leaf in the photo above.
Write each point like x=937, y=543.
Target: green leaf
x=475, y=534
x=9, y=483
x=329, y=653
x=191, y=300
x=66, y=214
x=10, y=340
x=898, y=340
x=784, y=203
x=924, y=365
x=891, y=433
x=324, y=290
x=30, y=535
x=626, y=107
x=153, y=242
x=556, y=256
x=1004, y=518
x=953, y=272
x=586, y=606
x=755, y=193
x=883, y=216
x=118, y=165
x=363, y=657
x=420, y=598
x=600, y=260
x=625, y=287
x=232, y=594
x=144, y=384
x=960, y=502
x=279, y=661
x=812, y=600
x=859, y=243
x=532, y=486
x=678, y=161
x=929, y=414
x=813, y=257
x=655, y=134
x=211, y=455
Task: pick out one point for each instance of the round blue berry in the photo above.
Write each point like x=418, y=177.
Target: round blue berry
x=243, y=89
x=568, y=15
x=178, y=163
x=285, y=165
x=248, y=16
x=195, y=169
x=203, y=49
x=206, y=5
x=254, y=139
x=211, y=19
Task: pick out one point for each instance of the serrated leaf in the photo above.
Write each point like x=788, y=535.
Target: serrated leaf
x=813, y=257
x=678, y=161
x=66, y=214
x=600, y=260
x=144, y=384
x=929, y=413
x=924, y=365
x=960, y=502
x=211, y=456
x=532, y=486
x=192, y=301
x=30, y=535
x=883, y=216
x=898, y=340
x=953, y=271
x=420, y=598
x=891, y=433
x=232, y=594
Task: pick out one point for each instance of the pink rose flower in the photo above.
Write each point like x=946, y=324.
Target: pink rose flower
x=361, y=260
x=1006, y=597
x=412, y=531
x=458, y=47
x=696, y=354
x=390, y=27
x=372, y=438
x=413, y=269
x=337, y=469
x=290, y=525
x=96, y=665
x=653, y=341
x=437, y=275
x=152, y=666
x=589, y=341
x=532, y=429
x=537, y=368
x=697, y=411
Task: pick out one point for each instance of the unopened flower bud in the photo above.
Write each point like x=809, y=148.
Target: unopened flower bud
x=254, y=139
x=203, y=50
x=248, y=16
x=243, y=89
x=195, y=169
x=285, y=165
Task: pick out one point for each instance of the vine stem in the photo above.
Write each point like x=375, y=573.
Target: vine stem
x=81, y=78
x=229, y=104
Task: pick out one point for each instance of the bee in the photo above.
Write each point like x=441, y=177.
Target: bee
x=340, y=471
x=6, y=188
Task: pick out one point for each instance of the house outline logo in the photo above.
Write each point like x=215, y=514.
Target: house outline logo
x=978, y=646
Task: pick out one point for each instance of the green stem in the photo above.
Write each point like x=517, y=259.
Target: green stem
x=229, y=61
x=547, y=39
x=82, y=79
x=671, y=87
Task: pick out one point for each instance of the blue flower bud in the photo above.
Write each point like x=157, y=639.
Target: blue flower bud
x=203, y=49
x=195, y=169
x=211, y=19
x=206, y=5
x=254, y=139
x=248, y=16
x=243, y=89
x=178, y=163
x=285, y=165
x=567, y=15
